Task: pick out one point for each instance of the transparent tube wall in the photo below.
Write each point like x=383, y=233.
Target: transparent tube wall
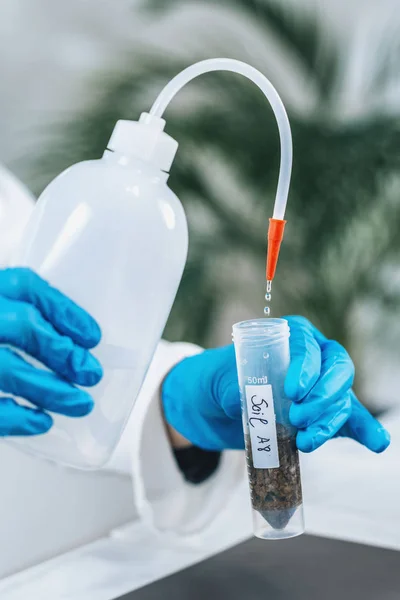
x=262, y=356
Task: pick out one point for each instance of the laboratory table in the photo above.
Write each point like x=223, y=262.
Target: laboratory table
x=304, y=568
x=355, y=554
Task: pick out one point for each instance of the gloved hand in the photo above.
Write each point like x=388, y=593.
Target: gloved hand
x=45, y=324
x=201, y=396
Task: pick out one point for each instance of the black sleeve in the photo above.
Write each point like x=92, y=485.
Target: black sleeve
x=196, y=464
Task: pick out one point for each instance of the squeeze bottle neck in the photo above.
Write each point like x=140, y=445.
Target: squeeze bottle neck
x=144, y=139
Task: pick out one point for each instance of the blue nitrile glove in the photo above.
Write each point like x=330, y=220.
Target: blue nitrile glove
x=201, y=396
x=45, y=324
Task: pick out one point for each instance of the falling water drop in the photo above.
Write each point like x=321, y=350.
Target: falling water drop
x=266, y=311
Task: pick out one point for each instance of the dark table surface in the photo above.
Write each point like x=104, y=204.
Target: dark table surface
x=304, y=568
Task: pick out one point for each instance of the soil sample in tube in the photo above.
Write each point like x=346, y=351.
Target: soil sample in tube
x=276, y=493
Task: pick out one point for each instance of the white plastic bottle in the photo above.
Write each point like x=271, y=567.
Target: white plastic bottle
x=110, y=234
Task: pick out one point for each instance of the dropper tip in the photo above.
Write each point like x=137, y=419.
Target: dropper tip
x=275, y=236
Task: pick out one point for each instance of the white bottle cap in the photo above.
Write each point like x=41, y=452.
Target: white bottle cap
x=144, y=139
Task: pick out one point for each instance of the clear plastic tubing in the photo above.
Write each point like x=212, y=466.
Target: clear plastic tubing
x=262, y=356
x=236, y=66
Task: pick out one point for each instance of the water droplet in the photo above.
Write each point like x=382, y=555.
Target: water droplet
x=268, y=297
x=269, y=285
x=265, y=355
x=266, y=311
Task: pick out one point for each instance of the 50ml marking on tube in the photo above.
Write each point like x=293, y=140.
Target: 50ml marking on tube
x=257, y=380
x=262, y=426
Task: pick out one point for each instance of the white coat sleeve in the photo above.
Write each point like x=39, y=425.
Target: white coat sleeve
x=163, y=499
x=16, y=206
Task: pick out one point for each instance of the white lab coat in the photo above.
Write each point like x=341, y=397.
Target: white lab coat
x=173, y=529
x=162, y=499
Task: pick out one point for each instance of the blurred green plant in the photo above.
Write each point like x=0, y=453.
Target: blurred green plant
x=343, y=211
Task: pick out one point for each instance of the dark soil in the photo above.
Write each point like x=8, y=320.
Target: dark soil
x=276, y=493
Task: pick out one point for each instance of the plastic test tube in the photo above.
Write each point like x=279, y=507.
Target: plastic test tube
x=262, y=357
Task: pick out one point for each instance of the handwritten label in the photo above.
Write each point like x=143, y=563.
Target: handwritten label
x=262, y=426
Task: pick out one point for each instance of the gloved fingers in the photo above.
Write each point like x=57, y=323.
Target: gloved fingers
x=19, y=420
x=328, y=425
x=305, y=359
x=66, y=316
x=219, y=434
x=231, y=438
x=364, y=428
x=45, y=389
x=215, y=434
x=336, y=378
x=217, y=381
x=230, y=398
x=201, y=400
x=22, y=326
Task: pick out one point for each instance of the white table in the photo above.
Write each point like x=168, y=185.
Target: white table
x=344, y=498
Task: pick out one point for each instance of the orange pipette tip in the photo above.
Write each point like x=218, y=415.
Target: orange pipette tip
x=275, y=236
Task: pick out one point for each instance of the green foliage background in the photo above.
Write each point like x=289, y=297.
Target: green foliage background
x=343, y=211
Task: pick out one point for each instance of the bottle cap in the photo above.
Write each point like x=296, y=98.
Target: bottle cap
x=144, y=139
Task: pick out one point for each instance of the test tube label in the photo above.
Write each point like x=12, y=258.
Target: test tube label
x=262, y=426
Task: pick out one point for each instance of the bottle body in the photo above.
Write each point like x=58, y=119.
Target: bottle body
x=112, y=236
x=262, y=356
